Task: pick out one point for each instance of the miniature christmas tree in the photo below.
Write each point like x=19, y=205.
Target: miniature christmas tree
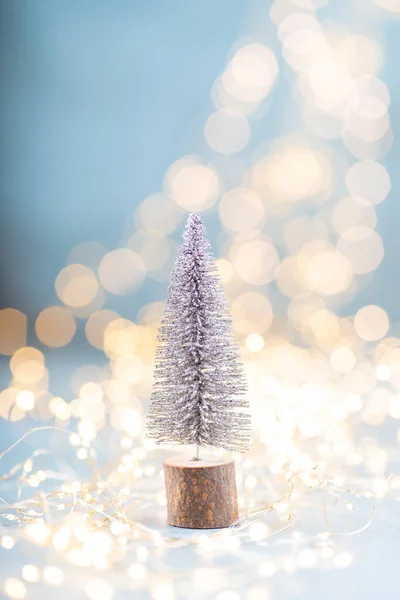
x=199, y=390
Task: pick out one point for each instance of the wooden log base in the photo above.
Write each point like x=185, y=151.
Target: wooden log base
x=201, y=494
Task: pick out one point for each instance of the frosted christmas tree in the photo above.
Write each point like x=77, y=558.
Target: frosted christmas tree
x=199, y=390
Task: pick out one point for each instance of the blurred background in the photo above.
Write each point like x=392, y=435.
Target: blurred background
x=278, y=123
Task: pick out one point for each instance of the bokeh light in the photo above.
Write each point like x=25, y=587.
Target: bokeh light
x=227, y=132
x=330, y=81
x=362, y=247
x=251, y=313
x=14, y=588
x=96, y=326
x=156, y=252
x=225, y=269
x=76, y=285
x=121, y=271
x=256, y=261
x=241, y=209
x=158, y=214
x=329, y=272
x=13, y=327
x=8, y=405
x=369, y=97
x=352, y=212
x=25, y=400
x=99, y=589
x=250, y=73
x=343, y=360
x=254, y=342
x=369, y=181
x=53, y=575
x=192, y=185
x=88, y=254
x=30, y=573
x=28, y=365
x=119, y=338
x=55, y=326
x=324, y=324
x=371, y=323
x=390, y=5
x=293, y=173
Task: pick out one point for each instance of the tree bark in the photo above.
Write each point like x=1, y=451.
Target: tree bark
x=201, y=494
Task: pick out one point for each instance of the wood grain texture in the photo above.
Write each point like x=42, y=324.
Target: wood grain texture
x=200, y=494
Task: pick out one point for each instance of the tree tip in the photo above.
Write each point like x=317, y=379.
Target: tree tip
x=193, y=224
x=194, y=218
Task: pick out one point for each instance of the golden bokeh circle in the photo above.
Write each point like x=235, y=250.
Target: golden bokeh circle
x=28, y=365
x=76, y=285
x=225, y=269
x=254, y=342
x=158, y=214
x=256, y=261
x=251, y=73
x=227, y=132
x=96, y=326
x=8, y=405
x=369, y=181
x=351, y=212
x=241, y=209
x=293, y=172
x=343, y=360
x=55, y=326
x=251, y=313
x=13, y=328
x=25, y=400
x=371, y=323
x=119, y=338
x=329, y=273
x=324, y=324
x=122, y=271
x=192, y=185
x=362, y=247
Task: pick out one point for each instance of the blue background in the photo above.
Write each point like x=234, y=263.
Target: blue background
x=99, y=98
